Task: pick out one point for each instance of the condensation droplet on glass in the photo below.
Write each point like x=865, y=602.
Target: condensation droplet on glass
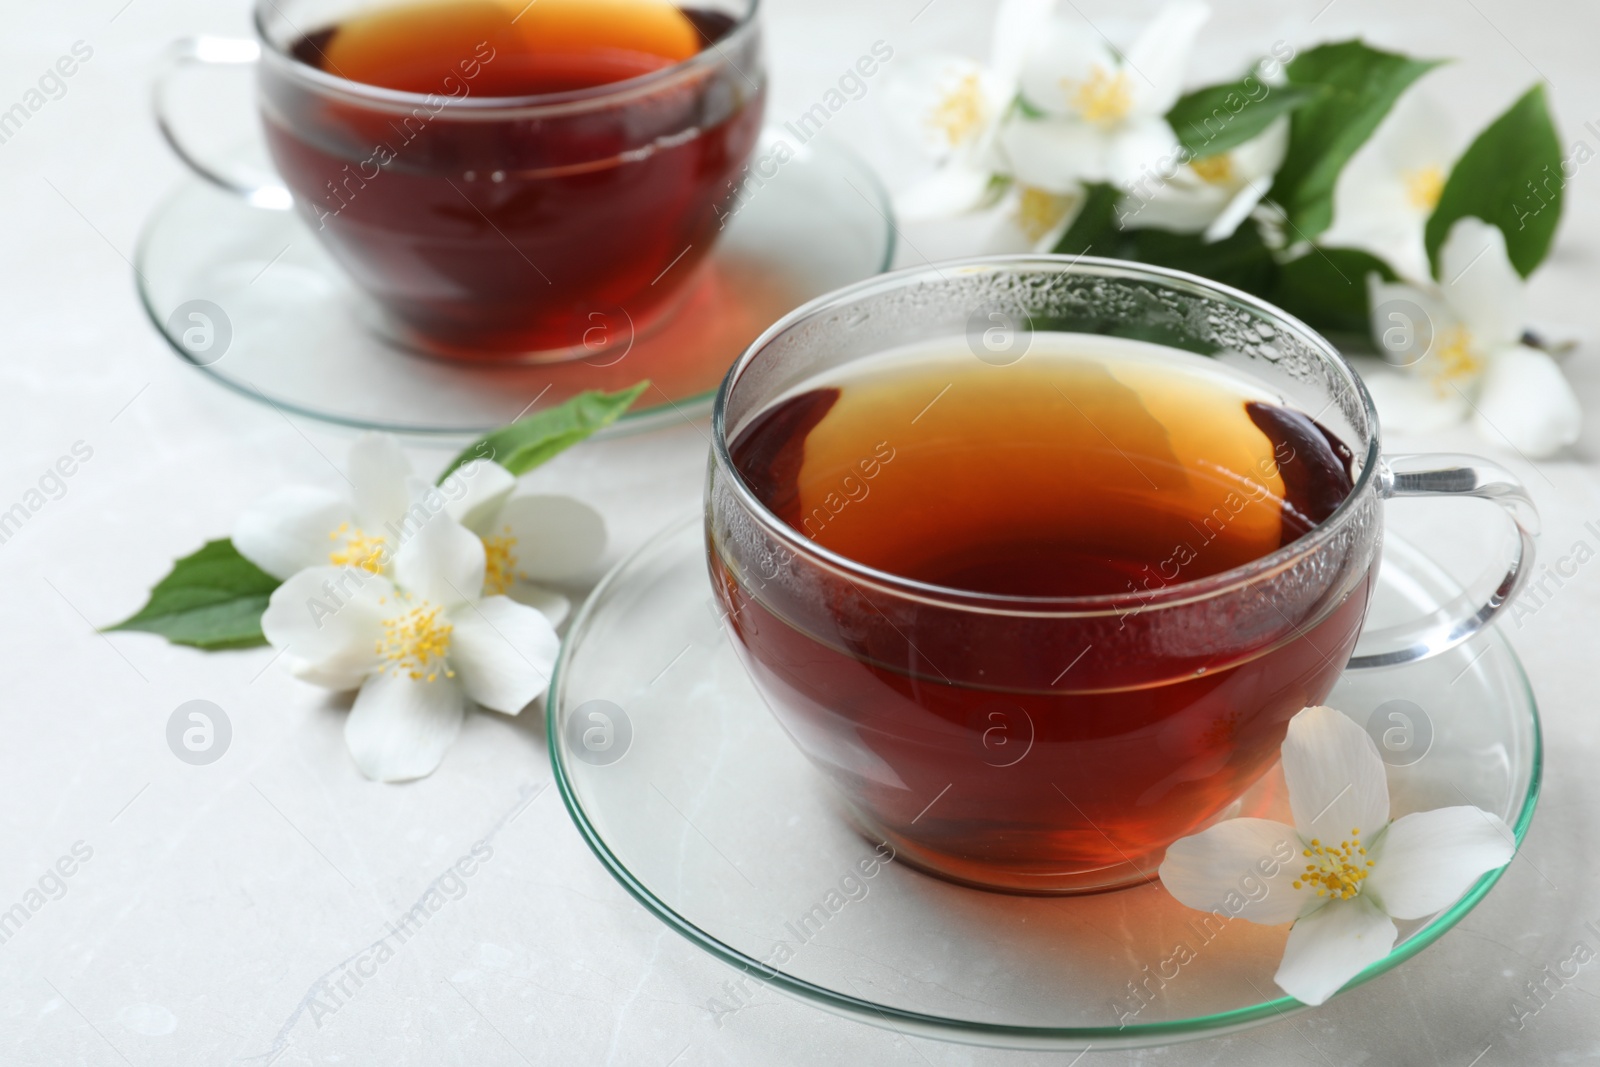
x=498, y=176
x=470, y=176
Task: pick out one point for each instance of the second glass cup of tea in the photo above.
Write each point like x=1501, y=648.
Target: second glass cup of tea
x=1035, y=557
x=507, y=180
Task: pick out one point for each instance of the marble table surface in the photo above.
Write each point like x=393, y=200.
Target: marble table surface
x=204, y=903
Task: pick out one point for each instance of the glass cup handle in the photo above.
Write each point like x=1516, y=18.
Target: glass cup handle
x=1452, y=623
x=212, y=52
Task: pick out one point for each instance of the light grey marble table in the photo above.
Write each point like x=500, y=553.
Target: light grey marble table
x=205, y=902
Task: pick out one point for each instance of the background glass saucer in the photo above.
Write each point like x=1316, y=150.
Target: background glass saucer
x=293, y=331
x=689, y=792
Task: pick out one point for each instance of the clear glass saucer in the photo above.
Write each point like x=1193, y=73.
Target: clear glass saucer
x=300, y=337
x=694, y=799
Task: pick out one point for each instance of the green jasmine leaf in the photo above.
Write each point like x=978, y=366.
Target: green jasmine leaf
x=1510, y=176
x=1327, y=288
x=212, y=599
x=1357, y=87
x=1094, y=231
x=528, y=442
x=1241, y=260
x=1219, y=117
x=1029, y=110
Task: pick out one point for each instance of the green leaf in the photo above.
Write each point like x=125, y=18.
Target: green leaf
x=1094, y=231
x=1219, y=117
x=1358, y=85
x=526, y=443
x=1241, y=260
x=212, y=599
x=1327, y=288
x=1029, y=110
x=1510, y=176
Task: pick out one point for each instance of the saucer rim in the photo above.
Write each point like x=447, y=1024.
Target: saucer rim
x=974, y=1032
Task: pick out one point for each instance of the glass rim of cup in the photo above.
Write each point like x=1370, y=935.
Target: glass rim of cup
x=537, y=104
x=1173, y=594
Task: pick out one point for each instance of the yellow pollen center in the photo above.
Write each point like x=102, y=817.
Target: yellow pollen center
x=415, y=643
x=1423, y=187
x=1454, y=359
x=1039, y=211
x=500, y=563
x=1336, y=871
x=1216, y=170
x=1103, y=98
x=960, y=111
x=355, y=548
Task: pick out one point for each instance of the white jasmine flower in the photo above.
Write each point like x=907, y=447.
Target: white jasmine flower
x=1391, y=185
x=955, y=106
x=1103, y=115
x=527, y=539
x=1214, y=194
x=1030, y=219
x=306, y=526
x=1464, y=353
x=1353, y=871
x=1021, y=219
x=418, y=648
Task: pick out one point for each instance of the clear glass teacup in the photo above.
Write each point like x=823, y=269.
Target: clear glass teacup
x=484, y=221
x=1058, y=744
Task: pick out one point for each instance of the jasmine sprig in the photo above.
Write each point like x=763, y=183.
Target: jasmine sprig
x=214, y=598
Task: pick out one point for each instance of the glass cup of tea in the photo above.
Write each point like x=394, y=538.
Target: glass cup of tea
x=508, y=181
x=1035, y=557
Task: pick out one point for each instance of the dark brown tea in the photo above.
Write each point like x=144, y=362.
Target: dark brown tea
x=1029, y=746
x=499, y=232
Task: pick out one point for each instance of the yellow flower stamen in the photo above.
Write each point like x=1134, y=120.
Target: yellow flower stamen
x=353, y=547
x=1215, y=170
x=415, y=643
x=1424, y=186
x=1039, y=211
x=1455, y=359
x=1104, y=98
x=960, y=111
x=500, y=563
x=1336, y=871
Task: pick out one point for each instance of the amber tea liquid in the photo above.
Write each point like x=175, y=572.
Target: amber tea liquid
x=997, y=751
